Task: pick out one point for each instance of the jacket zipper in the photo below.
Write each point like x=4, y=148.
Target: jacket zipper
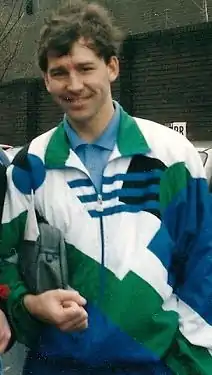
x=100, y=209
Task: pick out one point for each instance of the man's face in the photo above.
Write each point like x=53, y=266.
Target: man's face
x=80, y=82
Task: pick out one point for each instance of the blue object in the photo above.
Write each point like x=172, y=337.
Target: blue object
x=95, y=155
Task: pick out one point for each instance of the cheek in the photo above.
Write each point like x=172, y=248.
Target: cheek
x=55, y=87
x=98, y=83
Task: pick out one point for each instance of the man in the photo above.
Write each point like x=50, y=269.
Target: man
x=131, y=199
x=5, y=336
x=5, y=332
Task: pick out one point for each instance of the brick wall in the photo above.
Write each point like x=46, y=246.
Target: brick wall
x=171, y=75
x=13, y=114
x=165, y=76
x=134, y=16
x=26, y=110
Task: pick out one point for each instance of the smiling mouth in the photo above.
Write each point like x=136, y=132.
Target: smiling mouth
x=74, y=100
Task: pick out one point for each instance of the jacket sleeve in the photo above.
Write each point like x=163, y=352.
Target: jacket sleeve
x=16, y=222
x=3, y=186
x=187, y=213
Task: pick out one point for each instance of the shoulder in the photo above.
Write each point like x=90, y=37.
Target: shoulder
x=39, y=144
x=169, y=146
x=36, y=147
x=160, y=136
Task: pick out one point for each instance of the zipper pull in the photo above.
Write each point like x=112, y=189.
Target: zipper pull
x=99, y=207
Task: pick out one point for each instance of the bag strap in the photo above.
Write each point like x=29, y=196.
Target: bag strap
x=4, y=163
x=4, y=158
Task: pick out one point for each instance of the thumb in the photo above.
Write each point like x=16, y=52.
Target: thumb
x=71, y=295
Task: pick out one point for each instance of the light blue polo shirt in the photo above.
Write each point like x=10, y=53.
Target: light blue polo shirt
x=95, y=155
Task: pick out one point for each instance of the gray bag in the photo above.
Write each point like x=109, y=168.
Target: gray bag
x=43, y=264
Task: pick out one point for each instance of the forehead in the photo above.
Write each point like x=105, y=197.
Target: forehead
x=80, y=53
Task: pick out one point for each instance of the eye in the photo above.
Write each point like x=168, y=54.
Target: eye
x=58, y=73
x=86, y=69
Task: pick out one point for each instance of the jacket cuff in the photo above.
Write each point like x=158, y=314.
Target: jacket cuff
x=26, y=328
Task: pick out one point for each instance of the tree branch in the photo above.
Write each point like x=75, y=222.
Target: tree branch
x=20, y=15
x=9, y=18
x=10, y=30
x=18, y=43
x=197, y=5
x=21, y=7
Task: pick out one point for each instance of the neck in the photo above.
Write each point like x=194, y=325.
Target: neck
x=93, y=128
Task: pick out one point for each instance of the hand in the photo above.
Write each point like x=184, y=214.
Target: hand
x=5, y=333
x=63, y=308
x=79, y=319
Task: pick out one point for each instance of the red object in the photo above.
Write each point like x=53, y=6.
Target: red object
x=4, y=291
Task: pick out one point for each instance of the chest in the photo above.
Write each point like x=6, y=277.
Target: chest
x=116, y=226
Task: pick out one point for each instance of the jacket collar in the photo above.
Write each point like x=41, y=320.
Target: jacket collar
x=130, y=141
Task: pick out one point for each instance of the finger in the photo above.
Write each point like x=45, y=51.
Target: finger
x=74, y=319
x=4, y=326
x=71, y=295
x=67, y=304
x=4, y=341
x=71, y=327
x=60, y=315
x=2, y=334
x=5, y=332
x=77, y=320
x=74, y=312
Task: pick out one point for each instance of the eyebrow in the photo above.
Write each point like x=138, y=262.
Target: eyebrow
x=86, y=63
x=80, y=64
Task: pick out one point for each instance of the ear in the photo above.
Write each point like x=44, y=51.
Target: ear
x=46, y=80
x=113, y=68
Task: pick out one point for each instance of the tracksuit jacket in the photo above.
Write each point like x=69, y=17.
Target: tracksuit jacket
x=140, y=252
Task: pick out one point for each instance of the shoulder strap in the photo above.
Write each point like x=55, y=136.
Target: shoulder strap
x=3, y=186
x=4, y=158
x=4, y=163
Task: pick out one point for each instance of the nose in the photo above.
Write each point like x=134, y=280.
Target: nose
x=75, y=83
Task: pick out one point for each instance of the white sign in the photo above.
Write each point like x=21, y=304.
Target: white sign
x=180, y=127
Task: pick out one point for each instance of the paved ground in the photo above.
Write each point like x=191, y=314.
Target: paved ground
x=13, y=360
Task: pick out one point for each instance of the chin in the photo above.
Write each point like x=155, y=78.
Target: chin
x=79, y=118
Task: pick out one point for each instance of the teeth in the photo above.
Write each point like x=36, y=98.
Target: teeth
x=72, y=99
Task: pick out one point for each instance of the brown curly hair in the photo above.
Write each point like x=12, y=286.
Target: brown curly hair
x=74, y=20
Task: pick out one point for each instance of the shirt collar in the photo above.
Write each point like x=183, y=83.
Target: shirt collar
x=106, y=140
x=130, y=141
